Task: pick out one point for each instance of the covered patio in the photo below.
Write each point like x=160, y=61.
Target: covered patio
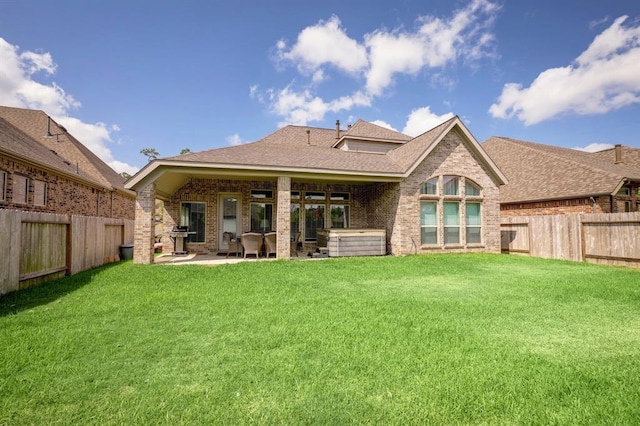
x=212, y=202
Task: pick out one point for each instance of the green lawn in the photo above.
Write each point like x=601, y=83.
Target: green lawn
x=440, y=339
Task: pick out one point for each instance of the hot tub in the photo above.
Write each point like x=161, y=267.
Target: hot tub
x=353, y=242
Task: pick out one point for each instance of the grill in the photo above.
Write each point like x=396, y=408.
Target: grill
x=177, y=235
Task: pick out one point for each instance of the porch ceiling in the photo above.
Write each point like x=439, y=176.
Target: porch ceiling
x=169, y=179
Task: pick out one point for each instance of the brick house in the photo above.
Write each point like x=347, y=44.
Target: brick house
x=435, y=192
x=549, y=180
x=43, y=168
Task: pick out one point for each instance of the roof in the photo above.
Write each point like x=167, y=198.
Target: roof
x=89, y=166
x=18, y=144
x=365, y=130
x=305, y=151
x=543, y=172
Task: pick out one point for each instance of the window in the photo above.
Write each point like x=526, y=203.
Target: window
x=261, y=193
x=451, y=223
x=473, y=222
x=471, y=189
x=430, y=187
x=339, y=216
x=313, y=220
x=20, y=189
x=441, y=211
x=450, y=185
x=261, y=217
x=316, y=196
x=295, y=220
x=295, y=195
x=193, y=216
x=3, y=186
x=623, y=192
x=339, y=196
x=39, y=193
x=429, y=222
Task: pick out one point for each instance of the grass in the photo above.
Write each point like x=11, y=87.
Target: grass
x=439, y=339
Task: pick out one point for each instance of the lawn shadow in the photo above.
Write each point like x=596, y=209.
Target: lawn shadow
x=29, y=298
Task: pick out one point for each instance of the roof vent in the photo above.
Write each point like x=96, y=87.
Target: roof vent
x=308, y=137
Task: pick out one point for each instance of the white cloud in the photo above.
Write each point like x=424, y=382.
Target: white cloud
x=595, y=147
x=324, y=43
x=19, y=89
x=603, y=78
x=384, y=124
x=302, y=107
x=436, y=43
x=378, y=58
x=422, y=119
x=234, y=140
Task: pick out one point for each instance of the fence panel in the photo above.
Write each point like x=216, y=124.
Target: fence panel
x=604, y=238
x=44, y=249
x=613, y=239
x=514, y=237
x=40, y=247
x=10, y=240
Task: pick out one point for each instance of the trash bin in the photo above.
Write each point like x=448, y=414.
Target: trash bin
x=126, y=252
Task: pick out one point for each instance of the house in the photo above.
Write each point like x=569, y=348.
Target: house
x=435, y=192
x=44, y=168
x=548, y=180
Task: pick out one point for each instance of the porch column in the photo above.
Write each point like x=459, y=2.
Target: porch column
x=144, y=238
x=283, y=224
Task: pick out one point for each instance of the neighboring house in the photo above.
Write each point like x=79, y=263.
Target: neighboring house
x=547, y=180
x=43, y=168
x=435, y=192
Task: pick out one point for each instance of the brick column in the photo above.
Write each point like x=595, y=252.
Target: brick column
x=283, y=224
x=144, y=238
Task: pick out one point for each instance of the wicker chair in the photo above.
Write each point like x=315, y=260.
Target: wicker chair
x=270, y=243
x=296, y=245
x=234, y=246
x=252, y=243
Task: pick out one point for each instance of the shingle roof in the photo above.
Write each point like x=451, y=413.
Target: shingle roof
x=292, y=147
x=364, y=129
x=543, y=172
x=17, y=143
x=89, y=165
x=301, y=149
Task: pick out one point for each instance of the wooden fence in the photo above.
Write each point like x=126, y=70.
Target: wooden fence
x=39, y=247
x=602, y=238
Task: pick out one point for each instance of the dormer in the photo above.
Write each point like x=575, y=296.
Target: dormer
x=369, y=138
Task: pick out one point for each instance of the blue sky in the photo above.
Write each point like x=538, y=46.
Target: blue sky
x=127, y=75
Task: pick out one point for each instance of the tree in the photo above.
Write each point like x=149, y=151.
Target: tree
x=185, y=151
x=125, y=175
x=150, y=153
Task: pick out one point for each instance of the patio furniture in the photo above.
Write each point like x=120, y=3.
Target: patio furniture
x=270, y=243
x=296, y=244
x=234, y=245
x=251, y=243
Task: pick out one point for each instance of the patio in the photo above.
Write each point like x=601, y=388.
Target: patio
x=213, y=259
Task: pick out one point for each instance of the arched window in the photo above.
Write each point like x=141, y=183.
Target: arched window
x=450, y=204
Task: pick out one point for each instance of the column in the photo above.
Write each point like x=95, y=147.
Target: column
x=283, y=224
x=144, y=238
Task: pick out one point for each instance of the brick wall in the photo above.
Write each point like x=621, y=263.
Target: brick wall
x=397, y=206
x=207, y=190
x=145, y=226
x=65, y=195
x=554, y=207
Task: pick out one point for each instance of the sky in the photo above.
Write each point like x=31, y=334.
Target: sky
x=123, y=76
